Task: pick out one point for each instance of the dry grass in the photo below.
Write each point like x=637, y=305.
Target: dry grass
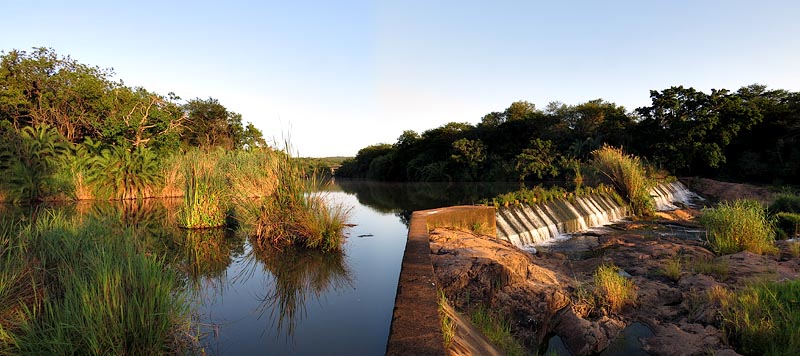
x=613, y=290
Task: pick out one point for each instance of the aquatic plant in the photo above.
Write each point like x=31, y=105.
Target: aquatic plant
x=100, y=293
x=737, y=226
x=613, y=290
x=296, y=212
x=763, y=319
x=205, y=200
x=628, y=175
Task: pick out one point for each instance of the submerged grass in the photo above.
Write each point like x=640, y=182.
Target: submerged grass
x=628, y=175
x=95, y=292
x=613, y=290
x=741, y=225
x=763, y=319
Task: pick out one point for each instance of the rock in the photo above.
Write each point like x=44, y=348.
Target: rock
x=583, y=337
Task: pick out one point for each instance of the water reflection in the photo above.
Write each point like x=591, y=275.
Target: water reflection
x=297, y=274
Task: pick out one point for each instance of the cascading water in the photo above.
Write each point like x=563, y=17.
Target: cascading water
x=667, y=194
x=528, y=225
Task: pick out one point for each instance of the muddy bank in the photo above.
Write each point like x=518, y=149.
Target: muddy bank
x=544, y=294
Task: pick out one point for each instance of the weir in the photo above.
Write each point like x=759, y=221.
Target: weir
x=527, y=225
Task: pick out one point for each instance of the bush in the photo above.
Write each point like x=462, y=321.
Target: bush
x=785, y=202
x=628, y=175
x=763, y=319
x=738, y=226
x=788, y=223
x=613, y=290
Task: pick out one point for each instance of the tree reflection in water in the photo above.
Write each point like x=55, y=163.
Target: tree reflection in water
x=297, y=274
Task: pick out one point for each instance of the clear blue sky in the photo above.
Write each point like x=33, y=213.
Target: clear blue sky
x=336, y=76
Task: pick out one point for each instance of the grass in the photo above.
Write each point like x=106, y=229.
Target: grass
x=794, y=249
x=448, y=324
x=741, y=225
x=763, y=319
x=788, y=224
x=786, y=202
x=205, y=201
x=711, y=266
x=497, y=330
x=673, y=268
x=613, y=290
x=297, y=212
x=628, y=175
x=93, y=291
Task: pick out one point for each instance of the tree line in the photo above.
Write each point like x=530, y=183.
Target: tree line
x=752, y=134
x=84, y=103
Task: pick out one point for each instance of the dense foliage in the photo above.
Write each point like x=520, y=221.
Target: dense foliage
x=64, y=124
x=752, y=134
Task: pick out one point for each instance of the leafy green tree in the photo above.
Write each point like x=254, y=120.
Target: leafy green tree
x=539, y=159
x=471, y=153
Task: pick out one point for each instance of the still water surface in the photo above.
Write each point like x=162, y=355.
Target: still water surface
x=290, y=302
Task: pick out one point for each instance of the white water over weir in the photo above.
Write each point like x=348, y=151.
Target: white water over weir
x=527, y=225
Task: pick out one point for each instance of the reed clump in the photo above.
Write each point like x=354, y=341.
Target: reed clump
x=97, y=293
x=741, y=225
x=613, y=290
x=296, y=213
x=763, y=319
x=204, y=202
x=628, y=175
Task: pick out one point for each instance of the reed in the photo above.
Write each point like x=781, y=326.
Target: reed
x=613, y=290
x=763, y=319
x=101, y=293
x=205, y=200
x=738, y=226
x=297, y=212
x=628, y=175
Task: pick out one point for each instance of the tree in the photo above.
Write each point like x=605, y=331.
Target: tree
x=539, y=159
x=471, y=153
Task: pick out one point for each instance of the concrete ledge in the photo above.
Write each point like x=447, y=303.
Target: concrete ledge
x=416, y=328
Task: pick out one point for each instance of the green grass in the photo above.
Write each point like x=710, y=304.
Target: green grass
x=711, y=266
x=788, y=223
x=297, y=212
x=672, y=268
x=448, y=324
x=612, y=290
x=628, y=175
x=205, y=201
x=785, y=202
x=497, y=330
x=741, y=225
x=94, y=292
x=764, y=319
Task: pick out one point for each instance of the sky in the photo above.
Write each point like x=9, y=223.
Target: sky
x=332, y=77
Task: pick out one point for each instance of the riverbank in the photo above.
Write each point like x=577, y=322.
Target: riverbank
x=553, y=293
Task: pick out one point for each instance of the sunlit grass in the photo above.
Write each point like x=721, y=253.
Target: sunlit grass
x=497, y=330
x=736, y=226
x=613, y=290
x=628, y=175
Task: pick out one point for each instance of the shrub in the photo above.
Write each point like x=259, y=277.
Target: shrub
x=29, y=160
x=122, y=173
x=613, y=290
x=628, y=175
x=763, y=319
x=786, y=202
x=737, y=226
x=788, y=223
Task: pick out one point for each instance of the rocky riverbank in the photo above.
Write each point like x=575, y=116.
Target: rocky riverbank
x=549, y=292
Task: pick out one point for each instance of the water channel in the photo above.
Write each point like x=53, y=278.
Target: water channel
x=290, y=301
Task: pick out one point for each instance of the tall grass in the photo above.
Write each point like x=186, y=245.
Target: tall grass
x=205, y=201
x=764, y=319
x=613, y=290
x=296, y=213
x=738, y=226
x=628, y=175
x=497, y=330
x=100, y=294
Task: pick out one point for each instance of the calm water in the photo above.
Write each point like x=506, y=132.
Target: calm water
x=296, y=302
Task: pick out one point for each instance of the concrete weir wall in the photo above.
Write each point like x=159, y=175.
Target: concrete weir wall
x=416, y=328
